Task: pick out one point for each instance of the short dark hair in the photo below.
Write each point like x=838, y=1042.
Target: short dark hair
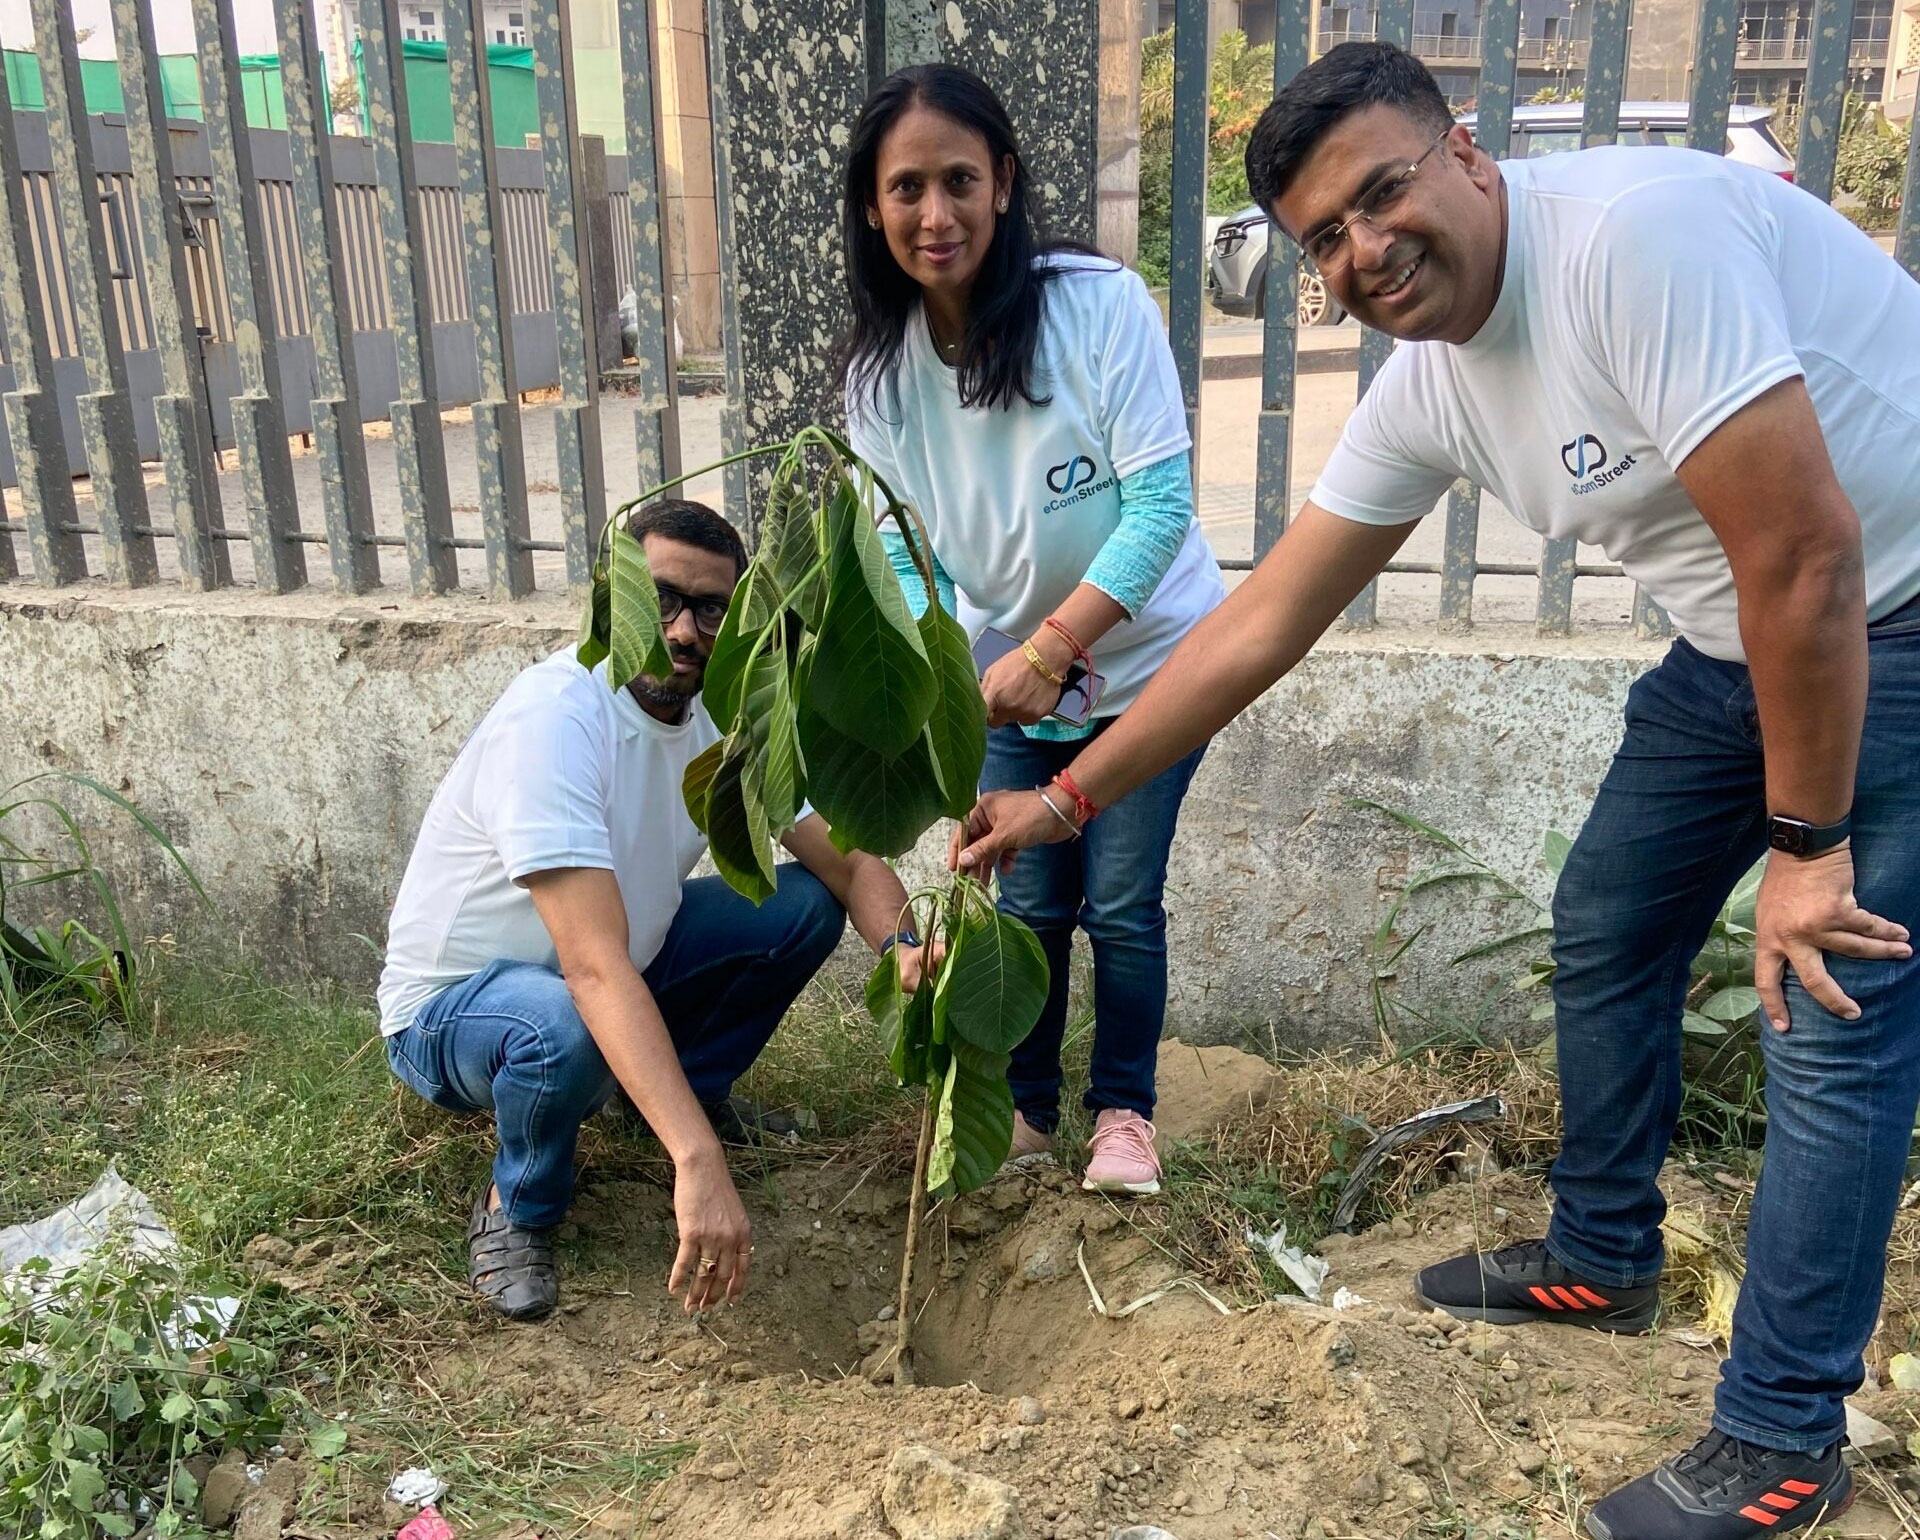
x=695, y=524
x=1345, y=79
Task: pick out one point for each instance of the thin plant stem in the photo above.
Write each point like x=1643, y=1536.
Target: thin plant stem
x=916, y=1206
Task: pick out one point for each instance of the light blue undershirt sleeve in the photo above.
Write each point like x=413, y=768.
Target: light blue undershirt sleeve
x=911, y=583
x=1156, y=506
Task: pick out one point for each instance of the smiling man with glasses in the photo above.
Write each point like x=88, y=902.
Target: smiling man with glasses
x=1716, y=378
x=550, y=949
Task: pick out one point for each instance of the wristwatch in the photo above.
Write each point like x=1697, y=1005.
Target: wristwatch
x=905, y=937
x=1797, y=837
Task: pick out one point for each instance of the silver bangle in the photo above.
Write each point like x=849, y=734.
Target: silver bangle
x=1041, y=792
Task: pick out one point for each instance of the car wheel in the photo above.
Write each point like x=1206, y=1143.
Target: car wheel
x=1316, y=305
x=1257, y=287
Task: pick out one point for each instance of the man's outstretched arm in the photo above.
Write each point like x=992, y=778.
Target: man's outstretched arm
x=1259, y=632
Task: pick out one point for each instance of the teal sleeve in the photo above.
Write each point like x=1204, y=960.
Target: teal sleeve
x=911, y=583
x=1156, y=506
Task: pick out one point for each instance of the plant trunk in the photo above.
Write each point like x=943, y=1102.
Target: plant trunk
x=916, y=1206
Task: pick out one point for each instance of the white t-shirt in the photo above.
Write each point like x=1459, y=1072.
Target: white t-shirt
x=562, y=772
x=1019, y=501
x=1649, y=295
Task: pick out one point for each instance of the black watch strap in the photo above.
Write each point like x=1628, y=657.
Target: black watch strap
x=1797, y=837
x=899, y=937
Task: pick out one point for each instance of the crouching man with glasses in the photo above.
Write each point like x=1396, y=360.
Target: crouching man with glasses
x=548, y=948
x=1716, y=378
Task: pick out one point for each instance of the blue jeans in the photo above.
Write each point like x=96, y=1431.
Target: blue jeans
x=1680, y=817
x=510, y=1039
x=1110, y=882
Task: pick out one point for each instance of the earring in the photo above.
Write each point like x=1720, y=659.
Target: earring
x=1002, y=205
x=873, y=220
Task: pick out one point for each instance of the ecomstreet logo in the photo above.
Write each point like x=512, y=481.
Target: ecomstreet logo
x=1076, y=472
x=1583, y=457
x=1075, y=480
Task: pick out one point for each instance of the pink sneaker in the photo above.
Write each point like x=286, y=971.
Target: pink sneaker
x=1123, y=1158
x=1027, y=1140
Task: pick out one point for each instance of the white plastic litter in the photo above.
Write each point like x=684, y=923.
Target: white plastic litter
x=1345, y=1299
x=415, y=1487
x=1305, y=1271
x=67, y=1235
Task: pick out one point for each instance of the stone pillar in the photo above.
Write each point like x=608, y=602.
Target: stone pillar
x=789, y=77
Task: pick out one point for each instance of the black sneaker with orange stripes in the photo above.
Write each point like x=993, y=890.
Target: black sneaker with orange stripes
x=1526, y=1283
x=1724, y=1488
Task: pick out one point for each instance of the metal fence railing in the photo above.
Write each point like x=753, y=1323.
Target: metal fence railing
x=177, y=300
x=225, y=287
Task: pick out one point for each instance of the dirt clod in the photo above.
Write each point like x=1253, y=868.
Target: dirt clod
x=928, y=1498
x=220, y=1498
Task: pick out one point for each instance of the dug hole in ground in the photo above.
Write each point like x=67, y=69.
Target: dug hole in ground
x=1035, y=1416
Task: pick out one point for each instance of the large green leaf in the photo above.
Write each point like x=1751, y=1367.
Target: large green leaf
x=870, y=679
x=636, y=644
x=1734, y=1004
x=766, y=709
x=737, y=831
x=996, y=985
x=596, y=625
x=909, y=1053
x=790, y=542
x=871, y=802
x=697, y=783
x=725, y=678
x=973, y=1125
x=957, y=727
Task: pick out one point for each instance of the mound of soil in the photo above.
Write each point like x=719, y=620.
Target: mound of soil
x=1288, y=1420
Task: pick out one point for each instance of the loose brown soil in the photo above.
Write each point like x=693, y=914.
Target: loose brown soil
x=1285, y=1420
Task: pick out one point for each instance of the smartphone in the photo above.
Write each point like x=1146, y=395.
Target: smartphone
x=1077, y=700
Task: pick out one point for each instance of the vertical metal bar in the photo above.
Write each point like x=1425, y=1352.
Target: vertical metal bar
x=180, y=412
x=1499, y=60
x=1393, y=23
x=1906, y=249
x=105, y=411
x=1460, y=555
x=576, y=420
x=497, y=446
x=737, y=500
x=1606, y=73
x=1280, y=336
x=338, y=442
x=1713, y=46
x=1821, y=108
x=656, y=418
x=33, y=412
x=259, y=423
x=1186, y=293
x=419, y=449
x=1650, y=622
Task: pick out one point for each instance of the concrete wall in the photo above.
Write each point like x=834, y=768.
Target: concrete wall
x=290, y=748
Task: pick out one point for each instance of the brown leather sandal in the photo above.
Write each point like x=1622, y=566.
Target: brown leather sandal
x=512, y=1267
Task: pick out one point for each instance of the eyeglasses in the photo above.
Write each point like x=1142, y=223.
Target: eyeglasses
x=707, y=613
x=1329, y=249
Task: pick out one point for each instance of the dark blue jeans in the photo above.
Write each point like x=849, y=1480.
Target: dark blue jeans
x=509, y=1039
x=1110, y=883
x=1680, y=817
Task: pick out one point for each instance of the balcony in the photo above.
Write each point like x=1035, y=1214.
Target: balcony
x=1554, y=53
x=1766, y=53
x=1451, y=47
x=1902, y=91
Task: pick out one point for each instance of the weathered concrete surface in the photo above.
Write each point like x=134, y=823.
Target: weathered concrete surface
x=290, y=749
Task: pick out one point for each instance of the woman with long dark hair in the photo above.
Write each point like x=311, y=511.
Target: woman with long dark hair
x=1021, y=395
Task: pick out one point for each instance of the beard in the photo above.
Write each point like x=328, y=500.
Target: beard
x=675, y=691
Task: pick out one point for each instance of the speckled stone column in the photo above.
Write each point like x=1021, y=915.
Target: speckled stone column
x=789, y=77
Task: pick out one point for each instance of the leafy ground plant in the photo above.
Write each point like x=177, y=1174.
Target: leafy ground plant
x=955, y=1035
x=831, y=695
x=66, y=960
x=113, y=1378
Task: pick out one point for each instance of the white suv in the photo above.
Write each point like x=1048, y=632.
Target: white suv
x=1237, y=272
